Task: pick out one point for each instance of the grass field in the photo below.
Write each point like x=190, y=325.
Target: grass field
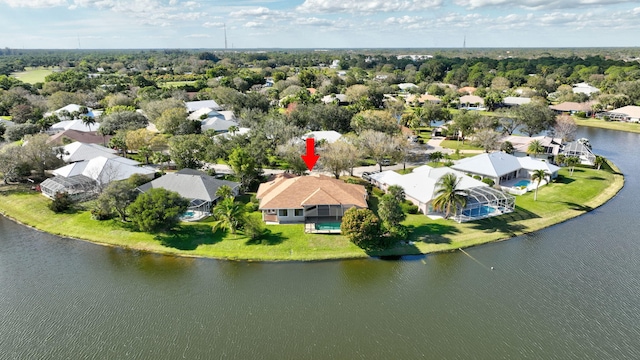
x=571, y=196
x=170, y=84
x=32, y=75
x=611, y=125
x=454, y=144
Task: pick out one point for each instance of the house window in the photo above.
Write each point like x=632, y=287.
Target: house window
x=271, y=211
x=283, y=212
x=298, y=212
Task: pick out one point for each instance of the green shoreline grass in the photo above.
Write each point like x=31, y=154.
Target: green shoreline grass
x=609, y=125
x=557, y=202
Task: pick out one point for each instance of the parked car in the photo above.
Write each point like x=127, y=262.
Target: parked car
x=366, y=175
x=385, y=162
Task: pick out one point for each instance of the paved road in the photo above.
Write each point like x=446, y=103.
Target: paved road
x=420, y=153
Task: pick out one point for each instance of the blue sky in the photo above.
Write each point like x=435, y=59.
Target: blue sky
x=69, y=24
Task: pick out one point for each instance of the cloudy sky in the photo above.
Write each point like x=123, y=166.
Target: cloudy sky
x=69, y=24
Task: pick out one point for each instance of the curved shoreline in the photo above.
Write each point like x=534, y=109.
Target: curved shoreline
x=418, y=248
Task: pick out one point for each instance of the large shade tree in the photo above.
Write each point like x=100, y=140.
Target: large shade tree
x=157, y=210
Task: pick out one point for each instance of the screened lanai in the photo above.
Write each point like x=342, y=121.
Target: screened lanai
x=78, y=187
x=484, y=202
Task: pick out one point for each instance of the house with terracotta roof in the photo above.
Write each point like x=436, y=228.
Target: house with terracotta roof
x=570, y=108
x=69, y=136
x=471, y=102
x=630, y=113
x=423, y=99
x=315, y=200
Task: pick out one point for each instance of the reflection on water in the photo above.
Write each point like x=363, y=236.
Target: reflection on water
x=570, y=291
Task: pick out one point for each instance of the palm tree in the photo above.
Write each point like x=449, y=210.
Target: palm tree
x=88, y=121
x=535, y=148
x=436, y=156
x=537, y=176
x=229, y=215
x=560, y=159
x=599, y=161
x=233, y=129
x=146, y=152
x=224, y=192
x=572, y=161
x=449, y=198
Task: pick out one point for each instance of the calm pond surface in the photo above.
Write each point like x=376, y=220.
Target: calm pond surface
x=568, y=292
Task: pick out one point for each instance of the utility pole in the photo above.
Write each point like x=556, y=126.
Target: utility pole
x=225, y=35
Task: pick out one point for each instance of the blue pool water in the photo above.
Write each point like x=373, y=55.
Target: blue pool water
x=188, y=214
x=522, y=183
x=481, y=211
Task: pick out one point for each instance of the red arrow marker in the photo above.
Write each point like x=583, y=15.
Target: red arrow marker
x=310, y=158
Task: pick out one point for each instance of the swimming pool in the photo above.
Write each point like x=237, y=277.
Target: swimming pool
x=484, y=210
x=188, y=214
x=328, y=226
x=522, y=183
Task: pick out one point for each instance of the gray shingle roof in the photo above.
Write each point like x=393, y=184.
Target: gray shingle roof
x=190, y=184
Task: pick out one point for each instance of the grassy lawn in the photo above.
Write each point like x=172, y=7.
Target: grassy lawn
x=170, y=84
x=569, y=197
x=455, y=144
x=32, y=75
x=611, y=125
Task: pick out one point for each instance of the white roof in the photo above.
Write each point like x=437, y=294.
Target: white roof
x=521, y=143
x=494, y=165
x=499, y=163
x=241, y=131
x=74, y=107
x=328, y=136
x=631, y=110
x=197, y=105
x=209, y=112
x=514, y=100
x=535, y=164
x=584, y=88
x=217, y=124
x=77, y=125
x=78, y=151
x=422, y=183
x=405, y=86
x=327, y=99
x=104, y=170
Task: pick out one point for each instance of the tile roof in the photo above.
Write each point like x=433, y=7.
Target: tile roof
x=90, y=137
x=287, y=191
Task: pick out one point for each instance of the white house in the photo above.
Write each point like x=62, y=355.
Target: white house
x=329, y=136
x=421, y=186
x=629, y=113
x=503, y=168
x=76, y=125
x=78, y=151
x=197, y=105
x=584, y=88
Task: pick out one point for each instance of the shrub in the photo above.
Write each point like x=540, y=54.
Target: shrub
x=581, y=114
x=477, y=177
x=362, y=227
x=409, y=208
x=488, y=181
x=253, y=227
x=61, y=202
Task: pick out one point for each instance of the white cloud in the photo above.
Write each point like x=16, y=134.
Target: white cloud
x=198, y=36
x=538, y=4
x=313, y=21
x=34, y=3
x=253, y=24
x=213, y=24
x=404, y=20
x=359, y=6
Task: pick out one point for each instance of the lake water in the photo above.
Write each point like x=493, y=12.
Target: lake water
x=568, y=292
